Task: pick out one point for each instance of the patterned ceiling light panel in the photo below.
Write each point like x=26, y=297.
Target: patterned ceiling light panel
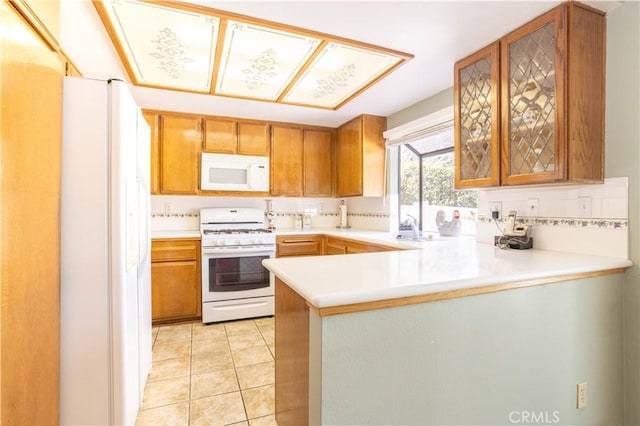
x=259, y=62
x=164, y=47
x=192, y=48
x=338, y=73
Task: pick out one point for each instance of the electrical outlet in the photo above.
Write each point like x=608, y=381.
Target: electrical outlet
x=582, y=395
x=584, y=206
x=167, y=209
x=532, y=207
x=495, y=206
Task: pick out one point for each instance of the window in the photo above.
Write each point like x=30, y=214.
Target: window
x=426, y=181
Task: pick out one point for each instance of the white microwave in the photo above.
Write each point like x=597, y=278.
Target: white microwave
x=224, y=172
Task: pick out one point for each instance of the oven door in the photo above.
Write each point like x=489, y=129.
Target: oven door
x=236, y=275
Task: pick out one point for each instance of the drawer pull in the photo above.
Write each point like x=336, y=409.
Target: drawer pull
x=298, y=241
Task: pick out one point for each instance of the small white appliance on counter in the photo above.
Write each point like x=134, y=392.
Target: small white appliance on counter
x=225, y=172
x=235, y=285
x=105, y=265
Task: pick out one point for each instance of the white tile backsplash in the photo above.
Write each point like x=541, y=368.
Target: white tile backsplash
x=607, y=201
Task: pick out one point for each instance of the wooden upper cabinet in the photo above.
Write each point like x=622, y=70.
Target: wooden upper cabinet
x=253, y=138
x=286, y=161
x=318, y=163
x=360, y=157
x=553, y=89
x=477, y=118
x=230, y=136
x=220, y=135
x=551, y=103
x=180, y=147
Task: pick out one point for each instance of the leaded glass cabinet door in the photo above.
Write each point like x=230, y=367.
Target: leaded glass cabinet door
x=477, y=119
x=533, y=101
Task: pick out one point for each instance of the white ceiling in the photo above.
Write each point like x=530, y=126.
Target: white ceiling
x=437, y=32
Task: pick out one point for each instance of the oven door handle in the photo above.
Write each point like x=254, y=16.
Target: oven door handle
x=245, y=251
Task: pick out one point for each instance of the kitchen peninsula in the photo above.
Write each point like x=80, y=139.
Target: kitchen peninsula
x=456, y=332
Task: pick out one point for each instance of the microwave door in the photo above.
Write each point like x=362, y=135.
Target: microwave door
x=231, y=177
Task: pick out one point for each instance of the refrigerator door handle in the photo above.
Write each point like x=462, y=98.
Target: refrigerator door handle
x=144, y=217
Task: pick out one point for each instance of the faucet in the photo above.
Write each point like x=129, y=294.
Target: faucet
x=415, y=232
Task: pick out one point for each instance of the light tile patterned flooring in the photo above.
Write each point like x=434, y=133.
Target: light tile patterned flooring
x=216, y=374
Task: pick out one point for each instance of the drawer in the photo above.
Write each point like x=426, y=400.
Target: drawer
x=168, y=250
x=299, y=245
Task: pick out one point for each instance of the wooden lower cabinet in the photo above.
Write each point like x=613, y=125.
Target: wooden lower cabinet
x=335, y=245
x=298, y=245
x=292, y=357
x=176, y=293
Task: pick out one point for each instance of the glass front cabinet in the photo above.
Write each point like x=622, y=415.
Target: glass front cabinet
x=477, y=119
x=551, y=103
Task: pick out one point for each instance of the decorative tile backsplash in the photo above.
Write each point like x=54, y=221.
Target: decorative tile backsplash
x=182, y=212
x=587, y=219
x=574, y=222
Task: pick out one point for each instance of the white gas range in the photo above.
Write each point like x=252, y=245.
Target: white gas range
x=235, y=285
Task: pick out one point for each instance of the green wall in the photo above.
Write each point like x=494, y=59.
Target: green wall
x=492, y=359
x=622, y=158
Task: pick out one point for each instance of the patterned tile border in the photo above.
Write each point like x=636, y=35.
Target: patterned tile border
x=175, y=215
x=573, y=222
x=376, y=215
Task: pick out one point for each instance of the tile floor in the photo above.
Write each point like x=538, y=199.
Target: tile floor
x=216, y=374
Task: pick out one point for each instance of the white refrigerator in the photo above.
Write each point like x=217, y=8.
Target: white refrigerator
x=105, y=244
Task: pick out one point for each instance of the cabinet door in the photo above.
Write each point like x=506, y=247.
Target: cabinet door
x=373, y=155
x=334, y=246
x=153, y=121
x=175, y=290
x=477, y=118
x=317, y=162
x=299, y=245
x=30, y=153
x=533, y=70
x=349, y=159
x=220, y=136
x=180, y=147
x=253, y=138
x=286, y=161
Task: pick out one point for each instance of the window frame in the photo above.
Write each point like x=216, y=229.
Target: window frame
x=421, y=158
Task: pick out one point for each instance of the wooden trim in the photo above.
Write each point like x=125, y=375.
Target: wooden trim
x=36, y=24
x=224, y=17
x=455, y=294
x=222, y=14
x=302, y=71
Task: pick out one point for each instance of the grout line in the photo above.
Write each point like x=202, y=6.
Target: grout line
x=191, y=354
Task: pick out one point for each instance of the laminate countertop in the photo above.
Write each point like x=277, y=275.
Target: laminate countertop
x=446, y=267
